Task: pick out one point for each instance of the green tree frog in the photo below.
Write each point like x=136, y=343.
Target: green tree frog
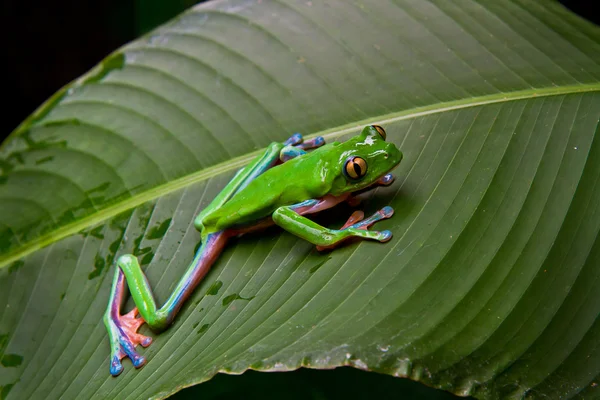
x=281, y=186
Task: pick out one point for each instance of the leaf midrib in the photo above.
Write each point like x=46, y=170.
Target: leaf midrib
x=240, y=161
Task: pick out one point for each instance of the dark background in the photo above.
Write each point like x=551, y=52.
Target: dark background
x=47, y=44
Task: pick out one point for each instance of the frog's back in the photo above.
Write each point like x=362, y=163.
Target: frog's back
x=279, y=186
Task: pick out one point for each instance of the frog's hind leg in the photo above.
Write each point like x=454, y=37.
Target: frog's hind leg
x=122, y=329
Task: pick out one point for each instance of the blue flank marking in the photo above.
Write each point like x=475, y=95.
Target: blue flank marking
x=305, y=203
x=198, y=258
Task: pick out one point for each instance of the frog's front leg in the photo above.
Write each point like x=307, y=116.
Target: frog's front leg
x=298, y=147
x=386, y=180
x=289, y=219
x=357, y=221
x=122, y=329
x=296, y=140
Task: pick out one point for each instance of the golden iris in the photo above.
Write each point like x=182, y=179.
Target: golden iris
x=381, y=131
x=356, y=167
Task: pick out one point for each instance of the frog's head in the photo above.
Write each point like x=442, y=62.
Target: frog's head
x=364, y=159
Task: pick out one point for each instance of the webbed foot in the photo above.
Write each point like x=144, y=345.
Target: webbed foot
x=357, y=221
x=124, y=339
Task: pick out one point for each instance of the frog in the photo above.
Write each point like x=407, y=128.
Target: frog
x=281, y=186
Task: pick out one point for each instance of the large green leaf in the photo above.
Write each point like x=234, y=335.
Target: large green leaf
x=489, y=286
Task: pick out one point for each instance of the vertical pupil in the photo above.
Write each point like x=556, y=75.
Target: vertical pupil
x=356, y=168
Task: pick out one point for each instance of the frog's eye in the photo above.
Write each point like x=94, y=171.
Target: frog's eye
x=381, y=131
x=356, y=167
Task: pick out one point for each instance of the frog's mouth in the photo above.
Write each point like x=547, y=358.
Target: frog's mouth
x=385, y=180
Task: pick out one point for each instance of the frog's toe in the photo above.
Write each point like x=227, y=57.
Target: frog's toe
x=138, y=361
x=115, y=366
x=364, y=224
x=126, y=348
x=293, y=140
x=387, y=212
x=312, y=143
x=385, y=236
x=125, y=338
x=145, y=341
x=318, y=141
x=356, y=216
x=386, y=180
